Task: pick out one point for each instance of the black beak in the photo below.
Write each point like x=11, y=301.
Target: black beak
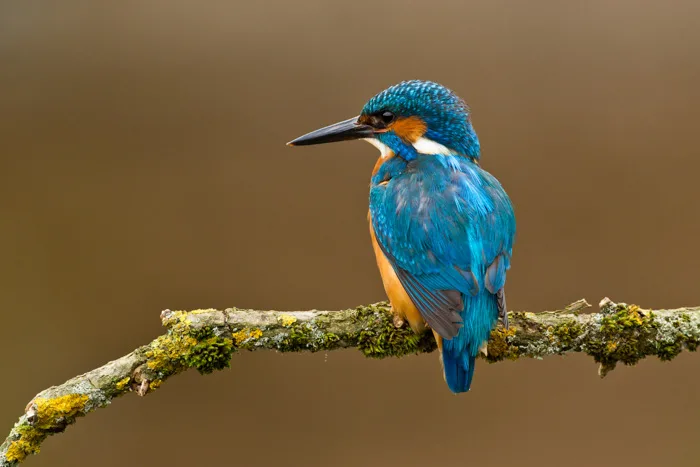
x=341, y=131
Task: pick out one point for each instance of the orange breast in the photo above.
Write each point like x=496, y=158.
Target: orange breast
x=401, y=303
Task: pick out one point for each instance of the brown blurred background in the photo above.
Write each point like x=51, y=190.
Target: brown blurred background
x=143, y=167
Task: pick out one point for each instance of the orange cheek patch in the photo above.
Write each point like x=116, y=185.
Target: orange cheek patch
x=409, y=128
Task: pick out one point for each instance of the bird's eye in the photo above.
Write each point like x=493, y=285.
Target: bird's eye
x=387, y=117
x=380, y=119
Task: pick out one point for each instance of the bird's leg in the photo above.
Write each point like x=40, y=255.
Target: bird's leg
x=398, y=320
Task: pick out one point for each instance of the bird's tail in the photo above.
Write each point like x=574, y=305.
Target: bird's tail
x=459, y=353
x=459, y=370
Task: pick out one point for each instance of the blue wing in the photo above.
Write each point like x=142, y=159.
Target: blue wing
x=447, y=227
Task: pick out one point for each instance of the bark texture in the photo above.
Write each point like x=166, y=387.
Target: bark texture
x=206, y=340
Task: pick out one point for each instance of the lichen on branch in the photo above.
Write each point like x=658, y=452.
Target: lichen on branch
x=207, y=339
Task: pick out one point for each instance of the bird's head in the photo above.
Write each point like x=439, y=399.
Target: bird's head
x=407, y=119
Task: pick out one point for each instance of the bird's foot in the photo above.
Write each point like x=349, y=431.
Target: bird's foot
x=398, y=321
x=484, y=349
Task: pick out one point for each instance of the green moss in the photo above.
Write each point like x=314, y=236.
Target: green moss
x=567, y=334
x=668, y=351
x=298, y=337
x=312, y=336
x=627, y=335
x=201, y=333
x=183, y=347
x=499, y=347
x=328, y=339
x=379, y=338
x=210, y=354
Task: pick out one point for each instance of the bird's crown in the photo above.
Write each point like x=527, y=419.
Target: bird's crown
x=424, y=114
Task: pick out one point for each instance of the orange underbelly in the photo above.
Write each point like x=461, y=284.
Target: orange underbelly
x=401, y=303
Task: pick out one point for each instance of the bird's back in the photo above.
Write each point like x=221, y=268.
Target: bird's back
x=447, y=226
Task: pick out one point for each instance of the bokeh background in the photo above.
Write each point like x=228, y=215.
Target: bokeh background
x=143, y=167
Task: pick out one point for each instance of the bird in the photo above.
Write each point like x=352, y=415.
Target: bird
x=442, y=228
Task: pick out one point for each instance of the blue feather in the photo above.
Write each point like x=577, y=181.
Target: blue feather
x=447, y=227
x=459, y=370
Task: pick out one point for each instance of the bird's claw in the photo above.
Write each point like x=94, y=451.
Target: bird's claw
x=398, y=321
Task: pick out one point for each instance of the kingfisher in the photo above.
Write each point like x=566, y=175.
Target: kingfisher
x=442, y=228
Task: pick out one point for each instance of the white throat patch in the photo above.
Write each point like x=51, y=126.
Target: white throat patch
x=428, y=146
x=383, y=148
x=422, y=145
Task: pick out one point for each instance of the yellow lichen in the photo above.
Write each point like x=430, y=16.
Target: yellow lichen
x=167, y=350
x=183, y=317
x=19, y=450
x=52, y=415
x=155, y=384
x=121, y=384
x=62, y=407
x=635, y=314
x=287, y=320
x=247, y=333
x=611, y=346
x=202, y=311
x=176, y=317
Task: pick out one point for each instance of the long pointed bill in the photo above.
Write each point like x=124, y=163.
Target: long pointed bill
x=341, y=131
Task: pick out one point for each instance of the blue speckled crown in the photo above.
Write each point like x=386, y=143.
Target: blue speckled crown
x=445, y=114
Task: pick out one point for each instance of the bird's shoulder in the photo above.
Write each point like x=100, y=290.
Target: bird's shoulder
x=442, y=212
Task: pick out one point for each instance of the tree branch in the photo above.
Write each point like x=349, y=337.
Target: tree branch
x=206, y=339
